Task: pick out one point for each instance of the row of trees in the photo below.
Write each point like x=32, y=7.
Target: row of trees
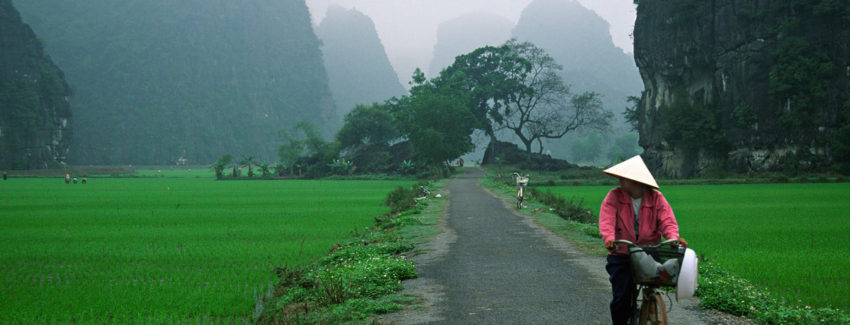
x=515, y=87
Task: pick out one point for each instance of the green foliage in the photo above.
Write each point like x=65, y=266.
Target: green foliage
x=407, y=167
x=366, y=135
x=248, y=161
x=306, y=151
x=436, y=121
x=349, y=284
x=743, y=115
x=691, y=126
x=367, y=125
x=807, y=81
x=633, y=114
x=403, y=198
x=800, y=81
x=564, y=208
x=721, y=290
x=353, y=282
x=341, y=166
x=624, y=146
x=840, y=142
x=492, y=77
x=587, y=149
x=517, y=86
x=265, y=169
x=221, y=164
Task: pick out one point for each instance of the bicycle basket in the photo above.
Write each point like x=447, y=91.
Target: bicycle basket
x=658, y=266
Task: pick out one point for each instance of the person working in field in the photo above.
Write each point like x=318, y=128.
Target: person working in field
x=637, y=212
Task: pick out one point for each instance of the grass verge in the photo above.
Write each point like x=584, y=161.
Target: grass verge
x=358, y=279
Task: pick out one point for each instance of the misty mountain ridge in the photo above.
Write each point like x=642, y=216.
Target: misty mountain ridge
x=466, y=33
x=157, y=81
x=359, y=71
x=579, y=39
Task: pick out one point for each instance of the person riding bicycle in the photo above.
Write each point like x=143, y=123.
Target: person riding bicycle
x=635, y=211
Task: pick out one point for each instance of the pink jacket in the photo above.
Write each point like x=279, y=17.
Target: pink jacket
x=617, y=219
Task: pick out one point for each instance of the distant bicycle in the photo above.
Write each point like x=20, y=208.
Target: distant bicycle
x=521, y=182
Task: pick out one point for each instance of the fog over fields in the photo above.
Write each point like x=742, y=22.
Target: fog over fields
x=408, y=28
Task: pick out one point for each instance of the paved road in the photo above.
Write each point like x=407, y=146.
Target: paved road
x=491, y=265
x=499, y=270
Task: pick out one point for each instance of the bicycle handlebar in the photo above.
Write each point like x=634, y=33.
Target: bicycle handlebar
x=631, y=244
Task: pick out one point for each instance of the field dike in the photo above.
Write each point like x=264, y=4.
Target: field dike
x=358, y=279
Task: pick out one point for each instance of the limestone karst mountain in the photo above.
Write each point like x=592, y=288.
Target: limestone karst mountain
x=579, y=39
x=359, y=71
x=466, y=33
x=35, y=114
x=744, y=86
x=160, y=82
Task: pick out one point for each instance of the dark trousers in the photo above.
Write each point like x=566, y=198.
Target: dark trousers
x=622, y=288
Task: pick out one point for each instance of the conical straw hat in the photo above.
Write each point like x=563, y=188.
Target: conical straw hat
x=633, y=169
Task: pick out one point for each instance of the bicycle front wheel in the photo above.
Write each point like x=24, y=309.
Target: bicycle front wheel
x=519, y=196
x=652, y=310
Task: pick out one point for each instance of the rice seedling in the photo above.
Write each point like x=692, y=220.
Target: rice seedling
x=165, y=250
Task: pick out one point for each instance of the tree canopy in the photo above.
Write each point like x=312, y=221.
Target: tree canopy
x=517, y=86
x=367, y=124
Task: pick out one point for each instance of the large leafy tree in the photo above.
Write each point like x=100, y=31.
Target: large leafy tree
x=517, y=86
x=544, y=107
x=304, y=145
x=435, y=119
x=491, y=76
x=367, y=125
x=366, y=136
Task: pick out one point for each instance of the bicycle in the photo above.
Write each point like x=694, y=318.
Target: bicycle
x=655, y=266
x=521, y=182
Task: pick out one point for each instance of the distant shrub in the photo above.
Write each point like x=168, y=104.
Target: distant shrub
x=404, y=198
x=564, y=208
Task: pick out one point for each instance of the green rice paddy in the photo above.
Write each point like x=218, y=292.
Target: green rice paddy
x=790, y=239
x=165, y=249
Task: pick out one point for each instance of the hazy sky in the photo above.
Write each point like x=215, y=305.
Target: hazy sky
x=408, y=28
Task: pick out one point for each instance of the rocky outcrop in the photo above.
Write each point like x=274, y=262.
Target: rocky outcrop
x=359, y=71
x=742, y=86
x=35, y=113
x=170, y=82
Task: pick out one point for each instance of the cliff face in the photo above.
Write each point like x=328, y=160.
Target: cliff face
x=35, y=113
x=359, y=71
x=163, y=82
x=744, y=86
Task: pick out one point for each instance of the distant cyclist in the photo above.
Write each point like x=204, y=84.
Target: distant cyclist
x=637, y=212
